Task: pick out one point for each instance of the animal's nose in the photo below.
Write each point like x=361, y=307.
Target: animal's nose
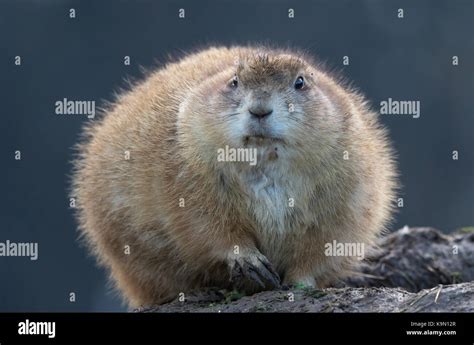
x=260, y=111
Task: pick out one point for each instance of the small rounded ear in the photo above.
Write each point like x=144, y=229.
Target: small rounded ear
x=245, y=60
x=243, y=63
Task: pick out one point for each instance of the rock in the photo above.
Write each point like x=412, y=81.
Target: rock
x=443, y=298
x=408, y=272
x=418, y=258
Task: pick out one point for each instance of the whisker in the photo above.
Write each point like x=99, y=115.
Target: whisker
x=232, y=114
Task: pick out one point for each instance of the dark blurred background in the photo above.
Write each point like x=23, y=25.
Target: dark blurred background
x=82, y=59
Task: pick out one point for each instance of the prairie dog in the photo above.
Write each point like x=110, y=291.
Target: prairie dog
x=165, y=215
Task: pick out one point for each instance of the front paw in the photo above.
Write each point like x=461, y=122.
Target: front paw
x=252, y=272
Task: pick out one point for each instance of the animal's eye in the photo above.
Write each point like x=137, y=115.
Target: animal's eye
x=299, y=83
x=234, y=82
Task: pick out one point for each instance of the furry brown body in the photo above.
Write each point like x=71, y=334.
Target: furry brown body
x=149, y=179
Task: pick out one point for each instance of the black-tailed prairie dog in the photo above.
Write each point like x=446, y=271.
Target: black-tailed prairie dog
x=235, y=168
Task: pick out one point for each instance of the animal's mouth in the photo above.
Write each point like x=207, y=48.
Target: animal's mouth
x=262, y=139
x=261, y=135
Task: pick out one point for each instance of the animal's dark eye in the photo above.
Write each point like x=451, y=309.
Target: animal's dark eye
x=234, y=82
x=299, y=83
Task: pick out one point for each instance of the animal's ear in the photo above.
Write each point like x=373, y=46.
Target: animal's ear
x=242, y=64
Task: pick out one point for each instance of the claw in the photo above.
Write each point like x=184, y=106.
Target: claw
x=256, y=270
x=270, y=273
x=253, y=274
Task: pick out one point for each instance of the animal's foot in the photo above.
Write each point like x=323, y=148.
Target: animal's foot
x=252, y=272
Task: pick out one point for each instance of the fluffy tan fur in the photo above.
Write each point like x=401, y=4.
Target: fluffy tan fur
x=328, y=155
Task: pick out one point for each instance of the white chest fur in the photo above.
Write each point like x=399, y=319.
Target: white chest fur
x=269, y=201
x=273, y=190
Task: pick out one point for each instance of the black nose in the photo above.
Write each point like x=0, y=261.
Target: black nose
x=260, y=112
